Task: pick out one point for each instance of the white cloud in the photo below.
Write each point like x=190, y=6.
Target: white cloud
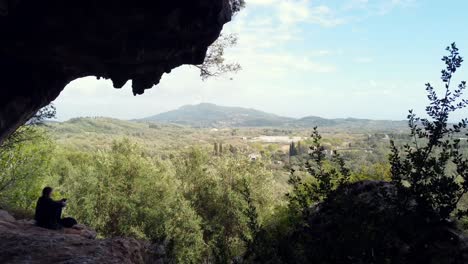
x=261, y=2
x=265, y=46
x=388, y=5
x=356, y=4
x=286, y=63
x=321, y=53
x=292, y=12
x=302, y=11
x=324, y=16
x=363, y=60
x=378, y=7
x=280, y=62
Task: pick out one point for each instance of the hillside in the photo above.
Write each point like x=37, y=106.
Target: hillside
x=193, y=122
x=354, y=124
x=211, y=115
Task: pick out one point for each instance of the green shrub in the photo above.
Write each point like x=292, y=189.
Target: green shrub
x=423, y=169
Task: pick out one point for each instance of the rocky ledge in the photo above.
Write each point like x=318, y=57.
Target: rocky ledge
x=23, y=242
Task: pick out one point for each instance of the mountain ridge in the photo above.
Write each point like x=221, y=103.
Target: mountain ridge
x=212, y=115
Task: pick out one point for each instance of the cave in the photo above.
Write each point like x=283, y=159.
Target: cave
x=47, y=44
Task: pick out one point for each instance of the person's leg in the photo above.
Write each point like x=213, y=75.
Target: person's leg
x=68, y=222
x=58, y=217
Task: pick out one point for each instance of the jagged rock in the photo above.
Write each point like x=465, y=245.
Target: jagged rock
x=360, y=223
x=5, y=216
x=46, y=44
x=23, y=242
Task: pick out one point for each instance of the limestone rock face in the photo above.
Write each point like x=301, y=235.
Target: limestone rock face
x=46, y=44
x=22, y=242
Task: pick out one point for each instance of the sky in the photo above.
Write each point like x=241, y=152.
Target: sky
x=329, y=58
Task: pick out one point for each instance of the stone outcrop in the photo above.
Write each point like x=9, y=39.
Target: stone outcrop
x=23, y=242
x=46, y=44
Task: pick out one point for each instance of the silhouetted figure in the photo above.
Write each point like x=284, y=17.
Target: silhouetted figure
x=49, y=212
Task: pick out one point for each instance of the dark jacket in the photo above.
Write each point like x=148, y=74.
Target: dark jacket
x=48, y=213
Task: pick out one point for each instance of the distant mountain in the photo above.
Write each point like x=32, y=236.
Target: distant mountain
x=100, y=125
x=311, y=121
x=351, y=123
x=211, y=115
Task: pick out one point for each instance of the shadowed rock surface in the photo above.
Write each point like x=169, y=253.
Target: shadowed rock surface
x=46, y=44
x=22, y=242
x=359, y=223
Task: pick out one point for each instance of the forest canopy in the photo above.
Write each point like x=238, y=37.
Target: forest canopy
x=225, y=196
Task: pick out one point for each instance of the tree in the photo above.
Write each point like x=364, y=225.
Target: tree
x=123, y=192
x=327, y=174
x=24, y=159
x=237, y=5
x=23, y=166
x=421, y=171
x=217, y=190
x=253, y=225
x=232, y=149
x=28, y=132
x=215, y=149
x=292, y=149
x=215, y=63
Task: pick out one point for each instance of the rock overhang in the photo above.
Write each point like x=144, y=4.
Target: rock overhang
x=47, y=44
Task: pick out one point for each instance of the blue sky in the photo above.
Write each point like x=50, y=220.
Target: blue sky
x=349, y=58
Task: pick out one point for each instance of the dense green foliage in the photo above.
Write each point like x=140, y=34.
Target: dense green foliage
x=193, y=202
x=24, y=162
x=24, y=165
x=235, y=194
x=122, y=192
x=204, y=205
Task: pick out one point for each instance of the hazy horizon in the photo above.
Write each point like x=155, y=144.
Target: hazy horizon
x=333, y=59
x=142, y=117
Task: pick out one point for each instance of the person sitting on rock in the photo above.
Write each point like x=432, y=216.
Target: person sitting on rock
x=49, y=212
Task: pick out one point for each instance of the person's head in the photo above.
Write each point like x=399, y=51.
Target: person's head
x=47, y=192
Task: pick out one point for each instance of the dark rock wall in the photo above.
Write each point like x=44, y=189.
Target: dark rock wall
x=46, y=44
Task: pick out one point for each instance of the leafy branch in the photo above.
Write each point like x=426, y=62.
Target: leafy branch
x=422, y=170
